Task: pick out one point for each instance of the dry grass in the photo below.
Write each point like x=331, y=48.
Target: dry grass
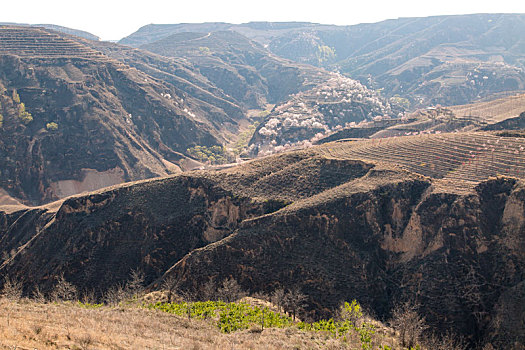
x=31, y=325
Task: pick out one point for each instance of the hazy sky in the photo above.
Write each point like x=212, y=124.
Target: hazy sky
x=112, y=20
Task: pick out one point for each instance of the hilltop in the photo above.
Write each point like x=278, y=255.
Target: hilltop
x=504, y=113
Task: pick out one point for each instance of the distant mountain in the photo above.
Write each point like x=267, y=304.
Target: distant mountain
x=240, y=67
x=61, y=29
x=443, y=60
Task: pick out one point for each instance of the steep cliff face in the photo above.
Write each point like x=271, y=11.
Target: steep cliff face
x=458, y=256
x=96, y=240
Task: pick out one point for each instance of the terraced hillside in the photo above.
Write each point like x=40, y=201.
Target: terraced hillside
x=504, y=113
x=458, y=161
x=38, y=42
x=75, y=120
x=493, y=111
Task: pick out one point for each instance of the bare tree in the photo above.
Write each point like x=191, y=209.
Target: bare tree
x=406, y=320
x=170, y=284
x=135, y=286
x=230, y=291
x=12, y=289
x=38, y=295
x=63, y=290
x=208, y=291
x=447, y=341
x=88, y=297
x=115, y=295
x=278, y=298
x=294, y=301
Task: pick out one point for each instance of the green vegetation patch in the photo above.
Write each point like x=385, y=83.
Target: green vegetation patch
x=89, y=305
x=213, y=154
x=230, y=316
x=244, y=138
x=325, y=54
x=24, y=115
x=52, y=126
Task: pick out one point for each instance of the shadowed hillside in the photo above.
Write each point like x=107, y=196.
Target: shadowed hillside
x=242, y=68
x=383, y=221
x=75, y=120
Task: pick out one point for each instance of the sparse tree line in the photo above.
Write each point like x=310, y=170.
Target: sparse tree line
x=410, y=326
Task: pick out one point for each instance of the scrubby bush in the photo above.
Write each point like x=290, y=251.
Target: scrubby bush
x=63, y=290
x=24, y=115
x=12, y=289
x=16, y=97
x=52, y=126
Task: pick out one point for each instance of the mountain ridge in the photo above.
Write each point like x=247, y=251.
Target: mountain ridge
x=397, y=54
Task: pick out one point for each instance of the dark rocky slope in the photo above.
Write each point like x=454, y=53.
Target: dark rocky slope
x=335, y=227
x=92, y=121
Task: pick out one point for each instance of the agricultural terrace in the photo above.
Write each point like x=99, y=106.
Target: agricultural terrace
x=39, y=42
x=457, y=161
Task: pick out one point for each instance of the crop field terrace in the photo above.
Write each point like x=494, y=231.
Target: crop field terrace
x=37, y=42
x=457, y=161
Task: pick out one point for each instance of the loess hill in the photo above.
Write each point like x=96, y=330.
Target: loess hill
x=78, y=114
x=445, y=60
x=428, y=219
x=74, y=119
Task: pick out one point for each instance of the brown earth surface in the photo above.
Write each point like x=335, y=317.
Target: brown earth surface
x=364, y=220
